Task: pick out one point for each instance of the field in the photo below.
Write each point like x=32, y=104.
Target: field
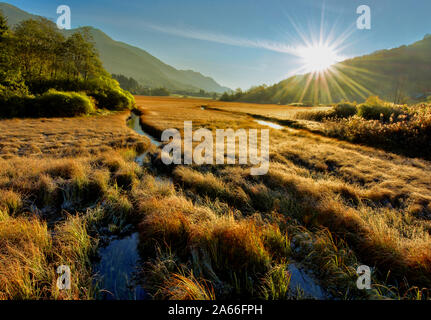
x=326, y=206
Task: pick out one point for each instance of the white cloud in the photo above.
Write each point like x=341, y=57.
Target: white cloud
x=224, y=39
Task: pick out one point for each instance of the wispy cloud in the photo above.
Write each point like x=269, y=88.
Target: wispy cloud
x=225, y=39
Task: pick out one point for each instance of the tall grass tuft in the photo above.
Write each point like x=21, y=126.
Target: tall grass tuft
x=276, y=283
x=182, y=287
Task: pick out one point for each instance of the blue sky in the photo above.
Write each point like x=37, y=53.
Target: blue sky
x=238, y=42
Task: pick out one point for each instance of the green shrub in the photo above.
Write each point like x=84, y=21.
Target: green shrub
x=409, y=135
x=11, y=87
x=51, y=104
x=15, y=106
x=341, y=110
x=109, y=95
x=376, y=109
x=62, y=104
x=106, y=91
x=344, y=110
x=113, y=99
x=160, y=92
x=13, y=95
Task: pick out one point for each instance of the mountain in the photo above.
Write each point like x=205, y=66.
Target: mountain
x=399, y=75
x=15, y=15
x=120, y=58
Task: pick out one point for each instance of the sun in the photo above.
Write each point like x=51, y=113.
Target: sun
x=317, y=58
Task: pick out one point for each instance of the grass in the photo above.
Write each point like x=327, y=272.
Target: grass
x=225, y=249
x=182, y=287
x=46, y=200
x=276, y=283
x=409, y=135
x=214, y=232
x=373, y=204
x=66, y=137
x=395, y=128
x=30, y=255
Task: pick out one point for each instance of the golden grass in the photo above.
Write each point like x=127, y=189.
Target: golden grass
x=193, y=108
x=181, y=287
x=29, y=256
x=226, y=248
x=47, y=168
x=334, y=202
x=65, y=137
x=378, y=201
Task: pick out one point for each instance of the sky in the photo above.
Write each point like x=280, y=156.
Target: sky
x=244, y=43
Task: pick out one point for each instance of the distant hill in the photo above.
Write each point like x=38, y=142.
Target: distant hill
x=121, y=58
x=400, y=75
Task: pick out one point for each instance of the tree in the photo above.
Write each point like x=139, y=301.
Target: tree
x=128, y=84
x=11, y=82
x=82, y=52
x=37, y=43
x=160, y=92
x=4, y=29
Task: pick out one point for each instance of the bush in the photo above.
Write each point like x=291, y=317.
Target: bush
x=108, y=94
x=376, y=109
x=113, y=98
x=410, y=135
x=12, y=87
x=344, y=109
x=15, y=106
x=50, y=104
x=160, y=92
x=106, y=91
x=63, y=104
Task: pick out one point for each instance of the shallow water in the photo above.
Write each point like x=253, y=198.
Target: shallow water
x=117, y=269
x=269, y=124
x=134, y=123
x=301, y=281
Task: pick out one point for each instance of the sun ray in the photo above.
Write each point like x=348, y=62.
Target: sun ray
x=310, y=77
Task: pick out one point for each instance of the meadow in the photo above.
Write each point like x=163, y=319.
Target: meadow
x=359, y=203
x=325, y=207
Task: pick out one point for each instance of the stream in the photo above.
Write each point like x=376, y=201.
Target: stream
x=302, y=283
x=133, y=122
x=117, y=270
x=119, y=262
x=118, y=267
x=270, y=124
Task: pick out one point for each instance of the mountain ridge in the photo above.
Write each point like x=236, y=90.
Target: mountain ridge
x=400, y=75
x=121, y=58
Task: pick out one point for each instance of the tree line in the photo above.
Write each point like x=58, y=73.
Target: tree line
x=133, y=86
x=37, y=60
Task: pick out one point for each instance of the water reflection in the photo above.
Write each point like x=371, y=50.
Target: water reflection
x=269, y=124
x=116, y=270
